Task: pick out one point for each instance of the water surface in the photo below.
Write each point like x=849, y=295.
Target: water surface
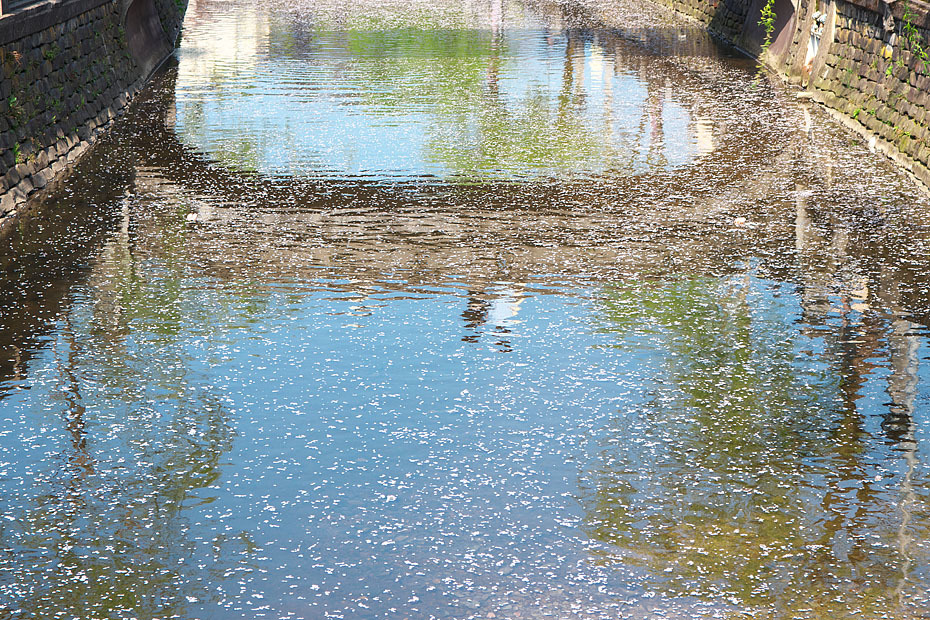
x=466, y=310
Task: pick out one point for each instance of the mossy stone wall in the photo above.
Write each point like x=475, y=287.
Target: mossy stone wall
x=66, y=71
x=870, y=65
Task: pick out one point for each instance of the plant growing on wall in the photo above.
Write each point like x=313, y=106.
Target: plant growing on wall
x=17, y=112
x=767, y=21
x=913, y=38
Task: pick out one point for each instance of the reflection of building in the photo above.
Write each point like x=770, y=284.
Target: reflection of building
x=221, y=44
x=221, y=51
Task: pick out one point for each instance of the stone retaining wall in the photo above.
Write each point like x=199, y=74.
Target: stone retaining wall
x=863, y=59
x=67, y=69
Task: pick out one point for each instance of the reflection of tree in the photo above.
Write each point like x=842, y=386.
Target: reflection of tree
x=106, y=536
x=476, y=126
x=749, y=477
x=486, y=102
x=838, y=291
x=114, y=542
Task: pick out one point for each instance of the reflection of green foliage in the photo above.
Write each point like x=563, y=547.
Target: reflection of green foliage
x=153, y=303
x=243, y=155
x=110, y=542
x=107, y=536
x=475, y=131
x=721, y=359
x=418, y=43
x=710, y=490
x=476, y=123
x=511, y=140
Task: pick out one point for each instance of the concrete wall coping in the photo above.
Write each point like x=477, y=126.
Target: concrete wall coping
x=28, y=21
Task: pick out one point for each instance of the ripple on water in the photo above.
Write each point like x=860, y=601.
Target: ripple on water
x=454, y=310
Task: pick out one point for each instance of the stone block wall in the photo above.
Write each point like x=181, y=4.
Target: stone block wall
x=67, y=68
x=725, y=18
x=878, y=80
x=872, y=65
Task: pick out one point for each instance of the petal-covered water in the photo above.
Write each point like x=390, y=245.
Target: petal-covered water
x=465, y=90
x=470, y=309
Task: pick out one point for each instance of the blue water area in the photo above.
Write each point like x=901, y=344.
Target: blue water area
x=478, y=309
x=297, y=450
x=294, y=96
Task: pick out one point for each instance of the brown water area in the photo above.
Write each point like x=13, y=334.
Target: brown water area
x=466, y=309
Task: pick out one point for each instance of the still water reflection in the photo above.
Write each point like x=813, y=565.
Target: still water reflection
x=242, y=381
x=462, y=89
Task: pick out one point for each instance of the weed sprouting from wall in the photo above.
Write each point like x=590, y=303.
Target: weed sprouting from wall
x=913, y=38
x=767, y=21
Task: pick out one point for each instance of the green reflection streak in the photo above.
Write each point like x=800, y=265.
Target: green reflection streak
x=475, y=130
x=106, y=536
x=746, y=479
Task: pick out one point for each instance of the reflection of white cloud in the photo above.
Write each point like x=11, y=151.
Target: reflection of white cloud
x=504, y=308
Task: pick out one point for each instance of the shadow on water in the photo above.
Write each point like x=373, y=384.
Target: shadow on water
x=675, y=368
x=48, y=251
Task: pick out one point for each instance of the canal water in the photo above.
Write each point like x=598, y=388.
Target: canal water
x=466, y=309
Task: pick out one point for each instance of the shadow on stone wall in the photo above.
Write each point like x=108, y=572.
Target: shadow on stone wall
x=860, y=58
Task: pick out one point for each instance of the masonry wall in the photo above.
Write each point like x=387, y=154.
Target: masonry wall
x=872, y=65
x=67, y=69
x=882, y=87
x=725, y=18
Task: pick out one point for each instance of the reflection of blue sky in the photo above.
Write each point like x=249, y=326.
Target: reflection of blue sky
x=367, y=428
x=405, y=111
